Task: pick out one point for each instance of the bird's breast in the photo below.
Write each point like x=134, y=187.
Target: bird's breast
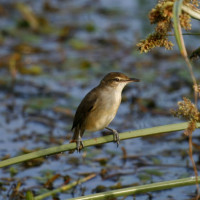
x=105, y=110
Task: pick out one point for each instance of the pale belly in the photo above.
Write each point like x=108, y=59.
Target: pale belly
x=98, y=121
x=102, y=115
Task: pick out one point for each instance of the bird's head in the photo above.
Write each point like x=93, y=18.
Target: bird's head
x=117, y=80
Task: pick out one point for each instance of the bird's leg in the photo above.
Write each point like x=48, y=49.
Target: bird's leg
x=79, y=144
x=115, y=135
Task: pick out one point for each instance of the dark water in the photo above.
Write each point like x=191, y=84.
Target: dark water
x=75, y=45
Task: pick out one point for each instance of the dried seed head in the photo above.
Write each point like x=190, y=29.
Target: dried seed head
x=187, y=110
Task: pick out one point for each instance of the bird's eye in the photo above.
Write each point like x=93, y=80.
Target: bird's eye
x=117, y=79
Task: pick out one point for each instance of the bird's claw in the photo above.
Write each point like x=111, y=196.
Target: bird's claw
x=79, y=145
x=116, y=137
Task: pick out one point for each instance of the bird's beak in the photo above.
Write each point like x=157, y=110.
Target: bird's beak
x=134, y=80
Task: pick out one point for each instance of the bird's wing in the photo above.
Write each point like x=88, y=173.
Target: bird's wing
x=87, y=105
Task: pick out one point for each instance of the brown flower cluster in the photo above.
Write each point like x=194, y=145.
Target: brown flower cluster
x=195, y=2
x=185, y=21
x=187, y=110
x=162, y=15
x=154, y=40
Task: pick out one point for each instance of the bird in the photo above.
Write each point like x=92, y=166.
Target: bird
x=99, y=107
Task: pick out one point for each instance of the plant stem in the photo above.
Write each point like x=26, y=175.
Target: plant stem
x=65, y=187
x=101, y=140
x=140, y=189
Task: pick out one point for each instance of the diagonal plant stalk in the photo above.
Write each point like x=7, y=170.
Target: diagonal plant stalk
x=191, y=10
x=101, y=140
x=140, y=189
x=177, y=8
x=64, y=187
x=180, y=41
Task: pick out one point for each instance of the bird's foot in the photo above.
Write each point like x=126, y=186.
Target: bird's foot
x=115, y=135
x=79, y=145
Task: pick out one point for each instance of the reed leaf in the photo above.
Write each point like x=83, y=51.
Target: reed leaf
x=95, y=141
x=140, y=189
x=64, y=187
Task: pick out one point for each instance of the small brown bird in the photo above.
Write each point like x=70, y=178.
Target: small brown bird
x=99, y=107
